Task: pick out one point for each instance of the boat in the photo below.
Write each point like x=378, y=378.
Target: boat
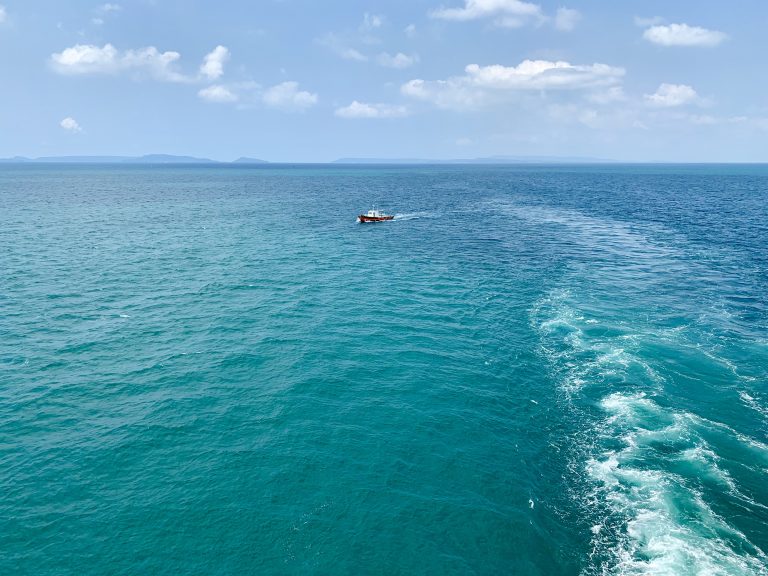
x=374, y=215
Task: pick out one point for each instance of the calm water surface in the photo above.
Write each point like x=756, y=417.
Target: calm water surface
x=531, y=370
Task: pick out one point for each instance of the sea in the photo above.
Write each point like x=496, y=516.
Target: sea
x=544, y=370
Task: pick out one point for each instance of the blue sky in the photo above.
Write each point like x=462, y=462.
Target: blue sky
x=302, y=80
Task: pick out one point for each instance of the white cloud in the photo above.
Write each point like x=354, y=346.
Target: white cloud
x=97, y=21
x=482, y=85
x=86, y=59
x=542, y=75
x=287, y=96
x=671, y=95
x=566, y=19
x=213, y=64
x=159, y=64
x=110, y=7
x=410, y=30
x=3, y=14
x=371, y=22
x=218, y=94
x=683, y=35
x=364, y=110
x=89, y=59
x=70, y=125
x=399, y=60
x=507, y=13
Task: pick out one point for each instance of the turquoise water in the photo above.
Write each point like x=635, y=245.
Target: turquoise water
x=531, y=370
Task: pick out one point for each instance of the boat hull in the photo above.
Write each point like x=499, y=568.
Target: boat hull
x=365, y=219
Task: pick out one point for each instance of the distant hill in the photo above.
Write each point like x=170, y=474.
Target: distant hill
x=169, y=159
x=246, y=160
x=485, y=160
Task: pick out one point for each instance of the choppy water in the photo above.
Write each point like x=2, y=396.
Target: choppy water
x=531, y=370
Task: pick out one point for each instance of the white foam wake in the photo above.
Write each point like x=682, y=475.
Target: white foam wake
x=648, y=469
x=659, y=523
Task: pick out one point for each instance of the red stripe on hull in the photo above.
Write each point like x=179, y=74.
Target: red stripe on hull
x=362, y=218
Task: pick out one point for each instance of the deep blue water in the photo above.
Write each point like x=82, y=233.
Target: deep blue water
x=531, y=370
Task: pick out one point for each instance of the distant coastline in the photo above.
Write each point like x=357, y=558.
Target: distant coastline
x=170, y=159
x=173, y=159
x=146, y=159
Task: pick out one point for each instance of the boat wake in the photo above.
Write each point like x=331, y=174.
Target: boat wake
x=648, y=473
x=412, y=216
x=668, y=487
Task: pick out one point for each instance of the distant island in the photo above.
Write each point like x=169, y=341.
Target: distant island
x=244, y=160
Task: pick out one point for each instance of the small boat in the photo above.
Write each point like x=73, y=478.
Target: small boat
x=374, y=216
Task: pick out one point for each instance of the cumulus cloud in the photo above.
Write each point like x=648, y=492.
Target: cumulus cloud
x=86, y=59
x=83, y=59
x=70, y=125
x=507, y=13
x=218, y=94
x=671, y=95
x=3, y=14
x=287, y=96
x=566, y=19
x=213, y=64
x=364, y=110
x=542, y=75
x=110, y=7
x=399, y=60
x=683, y=35
x=410, y=30
x=485, y=84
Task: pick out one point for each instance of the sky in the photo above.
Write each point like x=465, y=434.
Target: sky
x=311, y=81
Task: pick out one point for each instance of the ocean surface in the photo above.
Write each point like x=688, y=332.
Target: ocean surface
x=531, y=370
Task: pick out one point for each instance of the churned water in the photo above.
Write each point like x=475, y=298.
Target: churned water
x=531, y=370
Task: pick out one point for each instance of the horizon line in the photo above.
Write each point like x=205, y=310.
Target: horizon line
x=180, y=159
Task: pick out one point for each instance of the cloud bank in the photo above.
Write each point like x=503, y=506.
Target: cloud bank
x=89, y=59
x=82, y=59
x=485, y=84
x=506, y=13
